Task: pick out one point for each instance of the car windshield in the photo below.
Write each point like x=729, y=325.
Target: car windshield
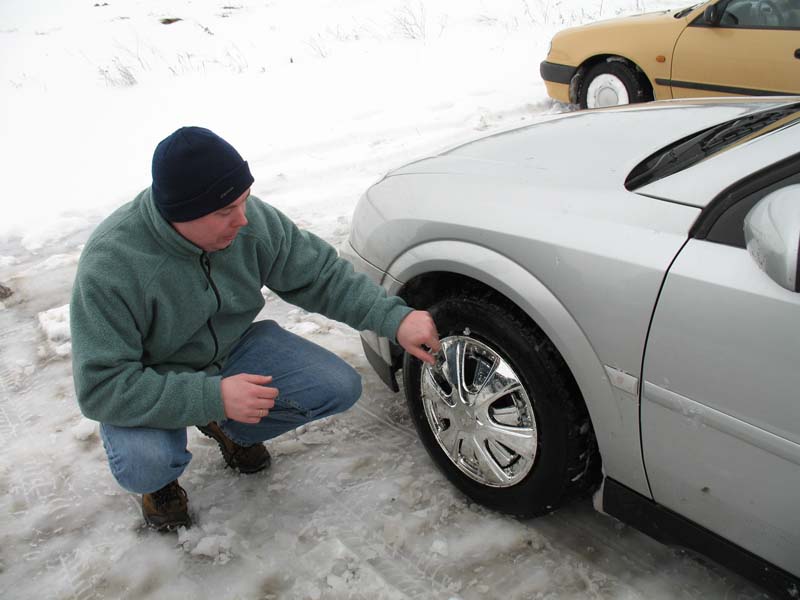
x=692, y=149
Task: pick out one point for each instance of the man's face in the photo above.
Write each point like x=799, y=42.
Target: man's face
x=216, y=230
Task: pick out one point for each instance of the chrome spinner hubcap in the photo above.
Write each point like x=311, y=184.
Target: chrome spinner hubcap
x=479, y=412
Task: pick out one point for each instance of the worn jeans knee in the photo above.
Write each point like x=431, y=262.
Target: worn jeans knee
x=312, y=382
x=145, y=459
x=344, y=385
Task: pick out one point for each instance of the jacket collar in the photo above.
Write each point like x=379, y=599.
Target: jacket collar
x=161, y=229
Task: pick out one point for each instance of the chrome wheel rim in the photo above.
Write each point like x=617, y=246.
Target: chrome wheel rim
x=479, y=412
x=606, y=90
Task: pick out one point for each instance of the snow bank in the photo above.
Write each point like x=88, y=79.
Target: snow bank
x=54, y=323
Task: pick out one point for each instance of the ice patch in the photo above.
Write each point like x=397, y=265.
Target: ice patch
x=400, y=530
x=306, y=589
x=18, y=372
x=285, y=447
x=212, y=541
x=304, y=328
x=55, y=325
x=7, y=261
x=54, y=262
x=504, y=535
x=303, y=323
x=439, y=547
x=84, y=430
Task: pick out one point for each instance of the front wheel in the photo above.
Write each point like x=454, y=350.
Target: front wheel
x=612, y=83
x=499, y=413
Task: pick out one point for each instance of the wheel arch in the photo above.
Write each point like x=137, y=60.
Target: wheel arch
x=577, y=79
x=429, y=269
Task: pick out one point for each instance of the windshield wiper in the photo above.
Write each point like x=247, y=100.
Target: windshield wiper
x=691, y=150
x=685, y=11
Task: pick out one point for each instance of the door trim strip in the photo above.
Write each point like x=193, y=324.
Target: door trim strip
x=705, y=415
x=725, y=89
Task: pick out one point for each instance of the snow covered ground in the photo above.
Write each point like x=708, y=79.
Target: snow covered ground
x=321, y=97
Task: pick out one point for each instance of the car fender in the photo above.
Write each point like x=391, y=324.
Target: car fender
x=647, y=41
x=613, y=407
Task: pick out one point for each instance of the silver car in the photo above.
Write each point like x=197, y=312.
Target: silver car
x=617, y=294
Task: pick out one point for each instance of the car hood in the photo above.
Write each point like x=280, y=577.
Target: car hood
x=591, y=149
x=621, y=23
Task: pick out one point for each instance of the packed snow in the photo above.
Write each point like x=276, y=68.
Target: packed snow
x=321, y=98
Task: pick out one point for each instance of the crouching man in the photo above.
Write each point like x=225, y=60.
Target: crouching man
x=162, y=324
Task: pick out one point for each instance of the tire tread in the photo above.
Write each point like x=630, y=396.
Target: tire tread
x=582, y=470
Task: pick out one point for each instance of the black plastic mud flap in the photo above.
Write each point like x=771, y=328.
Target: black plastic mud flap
x=381, y=367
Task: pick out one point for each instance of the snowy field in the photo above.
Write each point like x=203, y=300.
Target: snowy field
x=321, y=97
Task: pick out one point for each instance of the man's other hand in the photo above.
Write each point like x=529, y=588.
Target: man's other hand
x=418, y=329
x=246, y=398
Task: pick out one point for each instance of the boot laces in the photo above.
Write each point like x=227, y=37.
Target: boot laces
x=169, y=494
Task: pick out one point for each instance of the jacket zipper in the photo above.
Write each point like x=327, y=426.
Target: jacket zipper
x=205, y=264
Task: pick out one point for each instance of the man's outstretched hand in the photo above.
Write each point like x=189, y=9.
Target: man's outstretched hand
x=246, y=398
x=418, y=329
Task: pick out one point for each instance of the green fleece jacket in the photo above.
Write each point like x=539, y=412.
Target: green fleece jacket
x=153, y=317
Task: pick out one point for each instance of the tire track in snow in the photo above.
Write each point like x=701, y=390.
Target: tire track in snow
x=387, y=421
x=587, y=540
x=77, y=575
x=14, y=382
x=413, y=576
x=31, y=487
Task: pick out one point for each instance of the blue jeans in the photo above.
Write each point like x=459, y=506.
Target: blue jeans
x=313, y=383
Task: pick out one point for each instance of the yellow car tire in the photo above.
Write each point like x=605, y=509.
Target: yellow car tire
x=612, y=83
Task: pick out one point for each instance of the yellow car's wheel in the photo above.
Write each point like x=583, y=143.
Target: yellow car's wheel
x=611, y=83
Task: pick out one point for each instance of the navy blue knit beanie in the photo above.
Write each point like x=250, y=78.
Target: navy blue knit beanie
x=196, y=172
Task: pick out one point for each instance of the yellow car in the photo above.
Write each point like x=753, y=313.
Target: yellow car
x=725, y=47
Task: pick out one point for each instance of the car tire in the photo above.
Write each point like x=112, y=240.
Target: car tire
x=612, y=83
x=533, y=474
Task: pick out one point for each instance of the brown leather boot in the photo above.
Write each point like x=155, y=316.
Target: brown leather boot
x=166, y=509
x=245, y=459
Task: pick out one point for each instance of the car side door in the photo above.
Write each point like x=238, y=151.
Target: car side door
x=720, y=410
x=739, y=47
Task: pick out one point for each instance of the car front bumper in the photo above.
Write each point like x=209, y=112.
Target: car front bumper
x=378, y=350
x=557, y=78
